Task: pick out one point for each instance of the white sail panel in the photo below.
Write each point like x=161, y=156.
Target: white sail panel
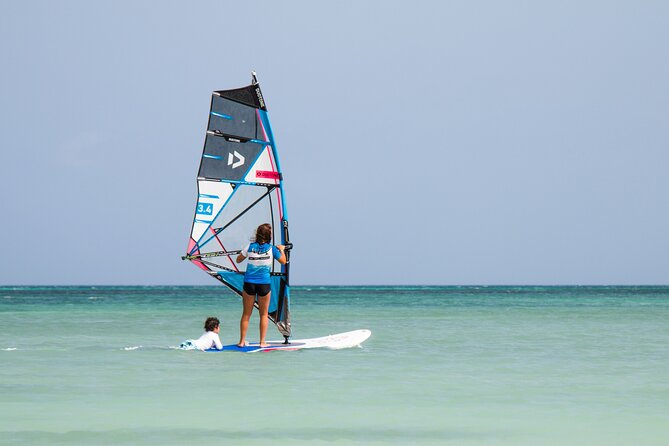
x=263, y=170
x=212, y=195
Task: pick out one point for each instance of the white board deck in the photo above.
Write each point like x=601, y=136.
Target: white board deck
x=332, y=342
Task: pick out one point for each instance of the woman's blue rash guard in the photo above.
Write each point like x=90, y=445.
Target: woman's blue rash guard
x=260, y=262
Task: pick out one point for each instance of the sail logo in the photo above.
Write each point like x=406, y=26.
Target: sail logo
x=205, y=209
x=260, y=99
x=235, y=156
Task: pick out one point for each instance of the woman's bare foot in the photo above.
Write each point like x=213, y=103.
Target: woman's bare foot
x=264, y=344
x=241, y=344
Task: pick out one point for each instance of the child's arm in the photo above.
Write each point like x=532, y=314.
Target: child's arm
x=217, y=341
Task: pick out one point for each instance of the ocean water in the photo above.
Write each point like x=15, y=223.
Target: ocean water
x=444, y=365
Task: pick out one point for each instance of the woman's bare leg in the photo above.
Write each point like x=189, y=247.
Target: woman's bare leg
x=247, y=301
x=263, y=306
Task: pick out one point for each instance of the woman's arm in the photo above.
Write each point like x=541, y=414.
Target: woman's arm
x=282, y=260
x=240, y=258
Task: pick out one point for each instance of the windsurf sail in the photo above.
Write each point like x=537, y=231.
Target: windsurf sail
x=240, y=186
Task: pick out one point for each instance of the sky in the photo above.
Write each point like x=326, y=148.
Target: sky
x=422, y=142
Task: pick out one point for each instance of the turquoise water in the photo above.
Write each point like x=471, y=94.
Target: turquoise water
x=444, y=365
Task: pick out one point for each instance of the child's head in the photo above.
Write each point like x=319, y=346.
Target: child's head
x=211, y=324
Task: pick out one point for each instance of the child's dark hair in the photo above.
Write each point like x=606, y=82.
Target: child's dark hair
x=211, y=323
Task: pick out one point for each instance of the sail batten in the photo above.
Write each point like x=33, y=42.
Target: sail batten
x=240, y=186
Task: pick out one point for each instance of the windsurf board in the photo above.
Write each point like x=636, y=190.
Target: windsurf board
x=333, y=342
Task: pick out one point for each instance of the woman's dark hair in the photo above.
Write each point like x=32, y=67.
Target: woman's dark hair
x=211, y=323
x=264, y=233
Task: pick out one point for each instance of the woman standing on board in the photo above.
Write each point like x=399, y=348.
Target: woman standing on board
x=261, y=254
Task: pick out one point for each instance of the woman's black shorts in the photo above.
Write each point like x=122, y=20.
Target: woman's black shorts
x=261, y=289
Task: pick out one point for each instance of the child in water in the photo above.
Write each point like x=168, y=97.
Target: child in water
x=209, y=339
